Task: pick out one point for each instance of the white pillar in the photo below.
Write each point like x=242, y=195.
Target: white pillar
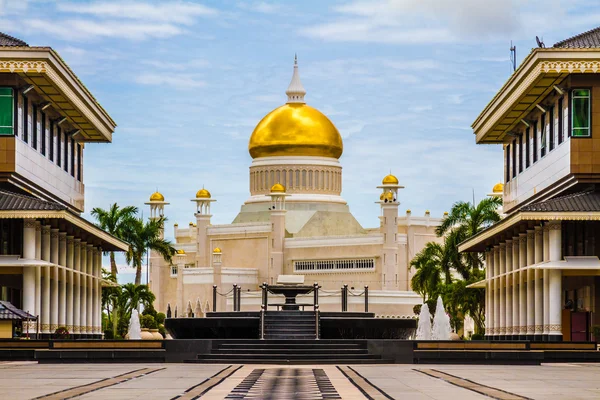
x=539, y=284
x=54, y=280
x=47, y=273
x=502, y=282
x=69, y=282
x=530, y=287
x=95, y=305
x=76, y=286
x=83, y=290
x=555, y=284
x=38, y=270
x=496, y=292
x=508, y=289
x=62, y=277
x=90, y=290
x=29, y=272
x=546, y=240
x=99, y=291
x=488, y=287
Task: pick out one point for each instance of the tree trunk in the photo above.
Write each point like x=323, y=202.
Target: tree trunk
x=138, y=271
x=113, y=265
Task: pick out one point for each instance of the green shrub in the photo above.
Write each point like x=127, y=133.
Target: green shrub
x=162, y=331
x=148, y=322
x=61, y=333
x=160, y=318
x=417, y=309
x=108, y=334
x=477, y=336
x=149, y=311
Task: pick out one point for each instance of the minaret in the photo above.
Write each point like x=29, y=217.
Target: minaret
x=156, y=274
x=295, y=92
x=391, y=277
x=277, y=210
x=203, y=215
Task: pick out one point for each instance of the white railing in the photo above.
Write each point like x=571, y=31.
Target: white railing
x=355, y=264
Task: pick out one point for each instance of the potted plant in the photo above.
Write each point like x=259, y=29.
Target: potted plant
x=148, y=325
x=61, y=333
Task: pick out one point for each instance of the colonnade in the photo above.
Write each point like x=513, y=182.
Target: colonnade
x=67, y=293
x=522, y=302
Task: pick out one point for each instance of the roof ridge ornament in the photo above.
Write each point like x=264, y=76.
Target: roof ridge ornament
x=295, y=91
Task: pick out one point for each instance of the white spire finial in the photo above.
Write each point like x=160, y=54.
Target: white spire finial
x=295, y=92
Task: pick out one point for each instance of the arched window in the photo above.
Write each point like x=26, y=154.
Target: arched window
x=303, y=179
x=310, y=179
x=277, y=177
x=326, y=180
x=271, y=179
x=284, y=175
x=297, y=178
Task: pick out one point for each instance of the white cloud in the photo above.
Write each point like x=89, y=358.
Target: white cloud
x=166, y=12
x=79, y=29
x=182, y=82
x=177, y=66
x=261, y=7
x=440, y=21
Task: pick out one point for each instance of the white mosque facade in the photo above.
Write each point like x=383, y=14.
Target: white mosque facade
x=295, y=222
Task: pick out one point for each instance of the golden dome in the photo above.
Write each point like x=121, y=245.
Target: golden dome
x=217, y=250
x=180, y=251
x=498, y=188
x=278, y=188
x=203, y=194
x=390, y=180
x=382, y=196
x=295, y=129
x=157, y=196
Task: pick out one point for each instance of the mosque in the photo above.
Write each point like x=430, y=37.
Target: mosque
x=295, y=222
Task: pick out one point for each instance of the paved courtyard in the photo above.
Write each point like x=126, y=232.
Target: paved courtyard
x=26, y=380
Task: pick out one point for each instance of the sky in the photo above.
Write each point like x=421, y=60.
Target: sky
x=187, y=82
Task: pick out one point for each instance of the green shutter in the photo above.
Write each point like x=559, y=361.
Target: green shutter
x=580, y=113
x=7, y=111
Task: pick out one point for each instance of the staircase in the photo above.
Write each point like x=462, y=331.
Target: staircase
x=290, y=325
x=286, y=351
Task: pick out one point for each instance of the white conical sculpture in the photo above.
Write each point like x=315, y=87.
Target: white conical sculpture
x=424, y=326
x=206, y=307
x=198, y=309
x=441, y=322
x=295, y=92
x=189, y=310
x=134, y=332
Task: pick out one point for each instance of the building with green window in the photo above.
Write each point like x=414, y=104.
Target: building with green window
x=50, y=257
x=542, y=267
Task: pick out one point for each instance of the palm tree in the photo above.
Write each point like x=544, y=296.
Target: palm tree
x=428, y=278
x=135, y=296
x=466, y=220
x=112, y=221
x=143, y=236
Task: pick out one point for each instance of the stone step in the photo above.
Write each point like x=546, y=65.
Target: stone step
x=275, y=361
x=290, y=356
x=283, y=347
x=227, y=350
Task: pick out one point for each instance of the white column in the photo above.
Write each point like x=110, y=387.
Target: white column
x=29, y=272
x=95, y=305
x=502, y=282
x=69, y=282
x=54, y=280
x=90, y=290
x=496, y=292
x=38, y=270
x=539, y=284
x=83, y=290
x=555, y=284
x=488, y=287
x=76, y=286
x=47, y=273
x=530, y=332
x=508, y=289
x=62, y=277
x=518, y=249
x=546, y=240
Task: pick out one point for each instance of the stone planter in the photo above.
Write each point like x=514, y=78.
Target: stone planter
x=146, y=335
x=156, y=334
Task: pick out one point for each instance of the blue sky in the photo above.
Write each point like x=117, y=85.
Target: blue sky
x=187, y=82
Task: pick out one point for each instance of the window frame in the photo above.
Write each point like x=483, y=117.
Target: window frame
x=535, y=146
x=520, y=153
x=34, y=133
x=527, y=149
x=551, y=144
x=12, y=112
x=561, y=122
x=25, y=119
x=543, y=135
x=507, y=163
x=571, y=110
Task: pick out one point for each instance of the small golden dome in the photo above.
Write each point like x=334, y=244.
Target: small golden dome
x=382, y=196
x=203, y=194
x=175, y=224
x=389, y=196
x=157, y=196
x=191, y=224
x=278, y=188
x=445, y=213
x=180, y=251
x=217, y=250
x=408, y=211
x=390, y=180
x=427, y=212
x=498, y=188
x=295, y=129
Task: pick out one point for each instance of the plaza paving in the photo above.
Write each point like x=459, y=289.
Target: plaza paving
x=25, y=380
